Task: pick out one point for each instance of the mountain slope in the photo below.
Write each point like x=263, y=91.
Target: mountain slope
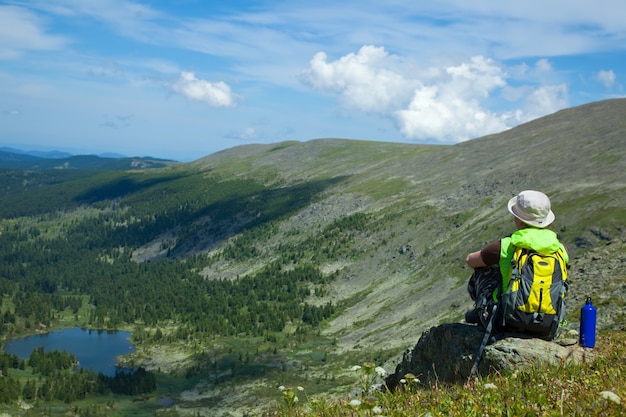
x=430, y=205
x=449, y=200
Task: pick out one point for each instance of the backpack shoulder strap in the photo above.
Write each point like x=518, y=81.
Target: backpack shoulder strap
x=506, y=254
x=519, y=257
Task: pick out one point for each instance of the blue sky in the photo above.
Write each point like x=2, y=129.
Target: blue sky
x=184, y=79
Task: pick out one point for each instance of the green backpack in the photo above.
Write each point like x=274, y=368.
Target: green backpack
x=533, y=301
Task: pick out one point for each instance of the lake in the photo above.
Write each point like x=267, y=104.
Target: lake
x=94, y=349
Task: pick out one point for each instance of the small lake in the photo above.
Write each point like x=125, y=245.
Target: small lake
x=94, y=349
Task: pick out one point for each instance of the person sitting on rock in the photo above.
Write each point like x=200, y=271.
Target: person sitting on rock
x=532, y=214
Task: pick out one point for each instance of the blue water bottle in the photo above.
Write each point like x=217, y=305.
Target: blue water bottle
x=588, y=324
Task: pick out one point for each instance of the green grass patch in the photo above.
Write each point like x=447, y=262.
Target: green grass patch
x=595, y=387
x=381, y=188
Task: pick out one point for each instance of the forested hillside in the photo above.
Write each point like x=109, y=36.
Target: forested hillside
x=16, y=159
x=292, y=261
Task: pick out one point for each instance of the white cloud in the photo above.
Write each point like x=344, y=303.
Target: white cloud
x=476, y=78
x=441, y=113
x=247, y=134
x=546, y=99
x=450, y=110
x=543, y=65
x=216, y=94
x=607, y=78
x=449, y=103
x=21, y=30
x=365, y=81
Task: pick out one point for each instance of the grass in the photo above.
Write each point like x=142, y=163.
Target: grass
x=381, y=188
x=595, y=388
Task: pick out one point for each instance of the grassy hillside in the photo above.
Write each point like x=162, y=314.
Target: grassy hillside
x=383, y=229
x=441, y=202
x=592, y=388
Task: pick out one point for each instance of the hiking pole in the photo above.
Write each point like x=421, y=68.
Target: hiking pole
x=481, y=348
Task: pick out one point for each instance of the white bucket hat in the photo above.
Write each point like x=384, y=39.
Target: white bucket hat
x=532, y=207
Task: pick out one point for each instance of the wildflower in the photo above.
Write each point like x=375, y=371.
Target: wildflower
x=377, y=410
x=289, y=396
x=403, y=381
x=369, y=367
x=611, y=396
x=489, y=385
x=355, y=368
x=300, y=388
x=380, y=371
x=355, y=403
x=411, y=378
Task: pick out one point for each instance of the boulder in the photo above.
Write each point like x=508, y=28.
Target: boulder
x=445, y=354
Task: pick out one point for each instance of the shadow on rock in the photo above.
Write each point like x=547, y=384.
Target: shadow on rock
x=445, y=354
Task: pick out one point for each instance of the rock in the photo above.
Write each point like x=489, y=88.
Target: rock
x=445, y=354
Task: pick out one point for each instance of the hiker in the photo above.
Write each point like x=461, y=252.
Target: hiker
x=493, y=266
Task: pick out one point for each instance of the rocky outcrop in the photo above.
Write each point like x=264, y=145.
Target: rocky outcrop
x=445, y=354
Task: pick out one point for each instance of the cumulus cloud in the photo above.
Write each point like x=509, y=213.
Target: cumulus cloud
x=216, y=94
x=546, y=99
x=447, y=103
x=607, y=78
x=365, y=81
x=450, y=110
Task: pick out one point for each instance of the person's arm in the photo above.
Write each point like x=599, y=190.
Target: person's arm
x=475, y=260
x=489, y=255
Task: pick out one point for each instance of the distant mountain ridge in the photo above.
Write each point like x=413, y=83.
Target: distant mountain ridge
x=12, y=158
x=39, y=154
